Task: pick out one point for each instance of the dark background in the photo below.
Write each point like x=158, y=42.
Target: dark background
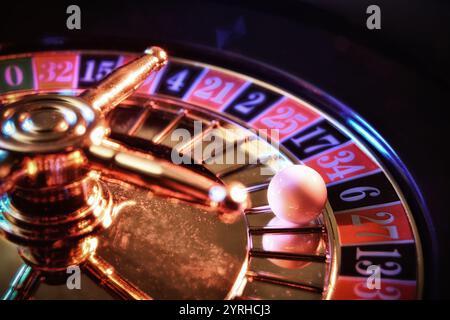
x=397, y=78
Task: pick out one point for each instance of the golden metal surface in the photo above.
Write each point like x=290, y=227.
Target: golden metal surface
x=106, y=276
x=172, y=249
x=163, y=241
x=24, y=283
x=122, y=82
x=53, y=203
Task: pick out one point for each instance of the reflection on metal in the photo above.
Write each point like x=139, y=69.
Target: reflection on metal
x=291, y=230
x=253, y=276
x=164, y=177
x=53, y=203
x=162, y=244
x=120, y=84
x=287, y=256
x=106, y=276
x=23, y=284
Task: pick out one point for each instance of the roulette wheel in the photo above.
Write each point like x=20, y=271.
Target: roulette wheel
x=196, y=171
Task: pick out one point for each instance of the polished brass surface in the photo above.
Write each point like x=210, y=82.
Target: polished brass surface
x=69, y=124
x=121, y=83
x=172, y=249
x=105, y=274
x=162, y=176
x=163, y=235
x=24, y=283
x=53, y=203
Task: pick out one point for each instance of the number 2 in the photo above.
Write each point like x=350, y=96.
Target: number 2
x=254, y=99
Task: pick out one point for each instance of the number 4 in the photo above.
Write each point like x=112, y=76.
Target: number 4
x=176, y=82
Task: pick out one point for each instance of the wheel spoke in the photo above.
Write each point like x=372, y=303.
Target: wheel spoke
x=121, y=83
x=105, y=275
x=163, y=177
x=24, y=284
